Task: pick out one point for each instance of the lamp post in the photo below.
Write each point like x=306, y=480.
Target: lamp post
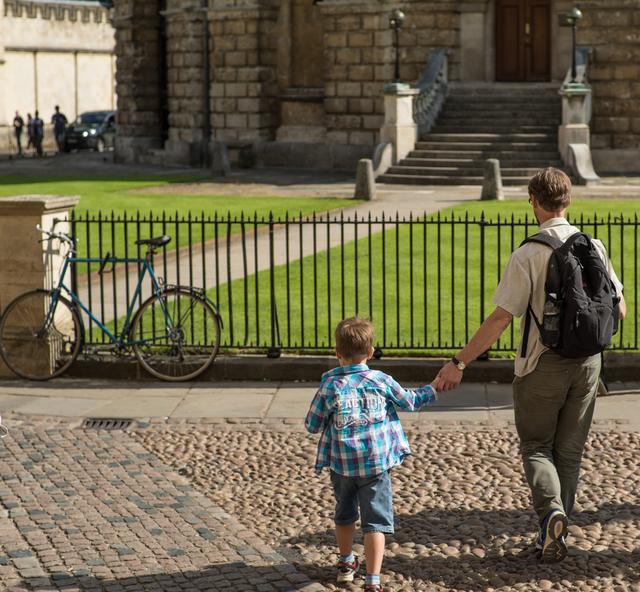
x=395, y=22
x=573, y=18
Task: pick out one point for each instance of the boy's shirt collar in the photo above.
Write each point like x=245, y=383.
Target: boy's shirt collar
x=349, y=369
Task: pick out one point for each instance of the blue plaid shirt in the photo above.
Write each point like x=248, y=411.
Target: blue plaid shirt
x=361, y=432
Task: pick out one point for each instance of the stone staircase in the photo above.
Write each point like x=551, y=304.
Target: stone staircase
x=515, y=123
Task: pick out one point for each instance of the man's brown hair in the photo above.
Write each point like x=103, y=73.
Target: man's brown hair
x=354, y=338
x=552, y=188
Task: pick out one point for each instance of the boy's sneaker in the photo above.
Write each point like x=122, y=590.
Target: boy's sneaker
x=551, y=540
x=347, y=570
x=373, y=588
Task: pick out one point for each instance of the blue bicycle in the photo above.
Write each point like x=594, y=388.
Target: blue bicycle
x=174, y=334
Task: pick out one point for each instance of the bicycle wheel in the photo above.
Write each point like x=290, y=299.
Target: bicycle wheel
x=176, y=335
x=35, y=343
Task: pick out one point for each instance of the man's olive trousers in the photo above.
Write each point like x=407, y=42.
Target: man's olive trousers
x=553, y=411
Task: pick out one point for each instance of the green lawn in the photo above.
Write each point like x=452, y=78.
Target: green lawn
x=140, y=215
x=426, y=289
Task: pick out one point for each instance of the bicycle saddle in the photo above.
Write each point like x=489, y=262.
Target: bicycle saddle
x=156, y=241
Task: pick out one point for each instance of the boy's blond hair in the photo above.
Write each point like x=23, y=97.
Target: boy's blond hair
x=354, y=338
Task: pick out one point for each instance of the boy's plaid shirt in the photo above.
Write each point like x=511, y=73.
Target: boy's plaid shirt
x=361, y=432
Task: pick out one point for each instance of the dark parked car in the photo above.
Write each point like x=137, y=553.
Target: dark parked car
x=93, y=130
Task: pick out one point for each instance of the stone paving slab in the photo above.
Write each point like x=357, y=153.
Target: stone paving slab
x=96, y=511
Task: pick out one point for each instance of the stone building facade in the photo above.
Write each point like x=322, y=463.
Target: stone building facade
x=301, y=81
x=55, y=52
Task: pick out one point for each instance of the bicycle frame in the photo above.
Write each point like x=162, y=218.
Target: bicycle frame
x=122, y=339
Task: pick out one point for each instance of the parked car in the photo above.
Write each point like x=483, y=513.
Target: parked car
x=93, y=130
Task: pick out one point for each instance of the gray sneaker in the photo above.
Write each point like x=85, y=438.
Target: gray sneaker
x=551, y=542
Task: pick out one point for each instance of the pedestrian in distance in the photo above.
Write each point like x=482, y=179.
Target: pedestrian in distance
x=37, y=126
x=30, y=143
x=59, y=121
x=362, y=440
x=18, y=127
x=562, y=285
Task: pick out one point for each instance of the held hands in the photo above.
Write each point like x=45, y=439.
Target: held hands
x=448, y=378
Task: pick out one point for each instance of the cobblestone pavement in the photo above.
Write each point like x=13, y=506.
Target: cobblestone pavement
x=97, y=511
x=463, y=514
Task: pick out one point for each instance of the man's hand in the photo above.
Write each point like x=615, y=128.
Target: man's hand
x=448, y=378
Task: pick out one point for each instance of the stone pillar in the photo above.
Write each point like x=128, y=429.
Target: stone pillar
x=25, y=263
x=576, y=114
x=473, y=41
x=140, y=78
x=3, y=82
x=399, y=127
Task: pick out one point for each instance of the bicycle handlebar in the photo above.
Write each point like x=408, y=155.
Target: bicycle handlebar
x=59, y=235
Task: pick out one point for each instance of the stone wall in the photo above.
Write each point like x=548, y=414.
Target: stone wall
x=612, y=29
x=359, y=59
x=244, y=81
x=140, y=78
x=55, y=53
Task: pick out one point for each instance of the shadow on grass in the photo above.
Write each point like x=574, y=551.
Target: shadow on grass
x=502, y=564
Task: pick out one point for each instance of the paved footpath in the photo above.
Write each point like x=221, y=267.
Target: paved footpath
x=212, y=488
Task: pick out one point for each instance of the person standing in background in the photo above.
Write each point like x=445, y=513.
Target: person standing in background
x=30, y=143
x=18, y=126
x=37, y=126
x=59, y=122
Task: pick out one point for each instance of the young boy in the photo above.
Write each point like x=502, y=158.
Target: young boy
x=362, y=439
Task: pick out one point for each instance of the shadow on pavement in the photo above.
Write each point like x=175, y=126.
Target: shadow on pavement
x=505, y=562
x=234, y=576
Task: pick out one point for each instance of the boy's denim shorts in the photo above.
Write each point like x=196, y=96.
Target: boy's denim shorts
x=371, y=494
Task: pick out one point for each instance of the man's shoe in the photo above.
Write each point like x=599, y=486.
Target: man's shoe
x=373, y=588
x=553, y=534
x=347, y=570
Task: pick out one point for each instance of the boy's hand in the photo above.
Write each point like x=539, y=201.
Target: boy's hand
x=434, y=384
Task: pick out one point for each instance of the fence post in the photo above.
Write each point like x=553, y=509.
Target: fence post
x=25, y=263
x=484, y=355
x=273, y=351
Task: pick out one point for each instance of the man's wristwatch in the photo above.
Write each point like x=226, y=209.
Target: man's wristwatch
x=460, y=365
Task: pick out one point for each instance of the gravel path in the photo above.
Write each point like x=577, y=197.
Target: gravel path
x=462, y=507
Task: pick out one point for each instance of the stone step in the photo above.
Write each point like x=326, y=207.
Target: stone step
x=500, y=119
x=456, y=171
x=464, y=128
x=413, y=161
x=454, y=104
x=521, y=156
x=428, y=144
x=492, y=137
x=444, y=180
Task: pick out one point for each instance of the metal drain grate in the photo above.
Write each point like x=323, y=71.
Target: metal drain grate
x=105, y=423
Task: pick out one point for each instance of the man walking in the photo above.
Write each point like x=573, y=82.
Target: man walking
x=18, y=126
x=30, y=143
x=59, y=121
x=554, y=395
x=37, y=127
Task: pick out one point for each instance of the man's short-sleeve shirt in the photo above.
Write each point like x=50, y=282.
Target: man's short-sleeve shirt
x=523, y=282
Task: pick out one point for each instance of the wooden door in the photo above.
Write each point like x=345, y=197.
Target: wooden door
x=523, y=40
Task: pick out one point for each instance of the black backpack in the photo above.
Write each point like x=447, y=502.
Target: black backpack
x=581, y=303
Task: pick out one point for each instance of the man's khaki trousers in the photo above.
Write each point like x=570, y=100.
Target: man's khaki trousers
x=553, y=411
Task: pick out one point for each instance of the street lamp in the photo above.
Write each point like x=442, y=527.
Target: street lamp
x=573, y=17
x=395, y=22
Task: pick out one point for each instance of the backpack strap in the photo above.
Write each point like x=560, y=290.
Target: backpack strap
x=554, y=243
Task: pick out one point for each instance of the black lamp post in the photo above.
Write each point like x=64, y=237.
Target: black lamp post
x=573, y=18
x=395, y=22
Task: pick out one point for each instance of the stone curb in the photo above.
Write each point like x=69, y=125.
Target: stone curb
x=619, y=367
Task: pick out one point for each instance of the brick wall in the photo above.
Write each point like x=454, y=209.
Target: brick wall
x=359, y=59
x=612, y=28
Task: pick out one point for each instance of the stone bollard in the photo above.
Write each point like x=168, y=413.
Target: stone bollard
x=365, y=181
x=26, y=263
x=492, y=183
x=220, y=166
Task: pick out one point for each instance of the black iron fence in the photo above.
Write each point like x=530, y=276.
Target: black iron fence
x=283, y=283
